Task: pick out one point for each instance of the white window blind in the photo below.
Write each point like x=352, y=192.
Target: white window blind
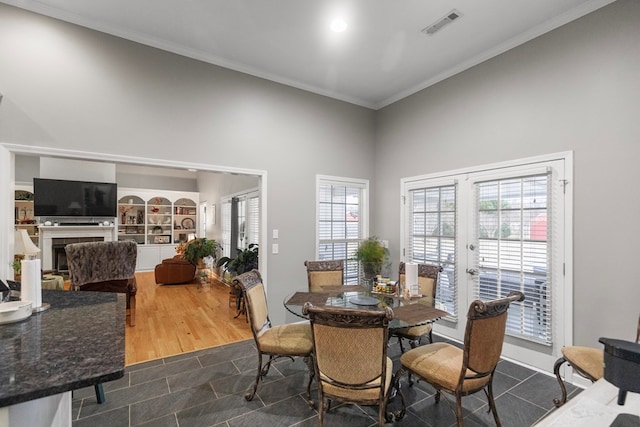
x=225, y=216
x=514, y=250
x=340, y=223
x=253, y=219
x=432, y=237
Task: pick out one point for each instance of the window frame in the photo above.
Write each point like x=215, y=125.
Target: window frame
x=363, y=220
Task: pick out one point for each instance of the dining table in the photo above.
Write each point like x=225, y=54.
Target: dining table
x=407, y=311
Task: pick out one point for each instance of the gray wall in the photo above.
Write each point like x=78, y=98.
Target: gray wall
x=71, y=88
x=576, y=88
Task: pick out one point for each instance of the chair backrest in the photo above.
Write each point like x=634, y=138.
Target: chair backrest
x=324, y=273
x=256, y=301
x=484, y=335
x=342, y=336
x=94, y=262
x=427, y=279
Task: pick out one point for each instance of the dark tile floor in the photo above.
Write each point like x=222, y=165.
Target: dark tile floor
x=206, y=388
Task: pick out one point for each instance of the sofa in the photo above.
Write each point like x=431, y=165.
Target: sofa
x=175, y=270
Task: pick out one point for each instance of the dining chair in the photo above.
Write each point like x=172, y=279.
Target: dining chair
x=427, y=284
x=289, y=340
x=104, y=267
x=324, y=273
x=465, y=371
x=588, y=362
x=350, y=356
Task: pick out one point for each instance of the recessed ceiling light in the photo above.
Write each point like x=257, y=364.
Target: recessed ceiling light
x=338, y=25
x=192, y=170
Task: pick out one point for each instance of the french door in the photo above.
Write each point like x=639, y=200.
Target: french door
x=495, y=229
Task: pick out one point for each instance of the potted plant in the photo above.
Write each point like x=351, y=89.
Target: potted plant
x=195, y=250
x=246, y=260
x=373, y=257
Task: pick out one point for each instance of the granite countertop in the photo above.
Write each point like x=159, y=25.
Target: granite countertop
x=76, y=343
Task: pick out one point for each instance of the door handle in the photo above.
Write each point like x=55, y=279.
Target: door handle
x=472, y=271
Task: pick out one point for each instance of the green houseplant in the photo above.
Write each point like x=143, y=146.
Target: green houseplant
x=373, y=257
x=246, y=260
x=197, y=249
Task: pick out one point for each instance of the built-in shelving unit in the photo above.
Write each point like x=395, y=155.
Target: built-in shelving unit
x=157, y=220
x=23, y=213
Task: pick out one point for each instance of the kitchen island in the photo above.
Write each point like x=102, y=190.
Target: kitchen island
x=76, y=343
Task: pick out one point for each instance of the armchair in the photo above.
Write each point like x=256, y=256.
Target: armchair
x=173, y=271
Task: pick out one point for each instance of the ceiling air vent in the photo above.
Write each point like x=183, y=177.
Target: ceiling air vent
x=437, y=26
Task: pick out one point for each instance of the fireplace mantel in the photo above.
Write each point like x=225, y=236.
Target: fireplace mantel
x=50, y=232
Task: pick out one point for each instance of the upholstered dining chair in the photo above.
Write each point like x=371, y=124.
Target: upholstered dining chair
x=465, y=371
x=350, y=356
x=588, y=362
x=324, y=273
x=289, y=340
x=104, y=267
x=427, y=283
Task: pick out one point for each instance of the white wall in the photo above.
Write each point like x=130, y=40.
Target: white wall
x=576, y=88
x=71, y=88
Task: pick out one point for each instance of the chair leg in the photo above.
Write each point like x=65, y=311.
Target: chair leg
x=99, y=393
x=400, y=342
x=308, y=360
x=132, y=310
x=563, y=388
x=262, y=371
x=459, y=417
x=492, y=403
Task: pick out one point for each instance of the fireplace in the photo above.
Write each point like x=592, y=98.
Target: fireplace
x=60, y=236
x=59, y=255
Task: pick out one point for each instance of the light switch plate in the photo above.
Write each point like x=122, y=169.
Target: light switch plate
x=274, y=248
x=275, y=233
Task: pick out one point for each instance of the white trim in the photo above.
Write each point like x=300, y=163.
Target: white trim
x=563, y=155
x=7, y=180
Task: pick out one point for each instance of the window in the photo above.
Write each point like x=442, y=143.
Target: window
x=494, y=229
x=513, y=250
x=341, y=221
x=240, y=222
x=432, y=237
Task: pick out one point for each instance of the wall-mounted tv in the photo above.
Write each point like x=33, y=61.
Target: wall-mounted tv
x=56, y=197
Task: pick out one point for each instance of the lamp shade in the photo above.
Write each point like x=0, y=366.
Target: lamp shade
x=24, y=245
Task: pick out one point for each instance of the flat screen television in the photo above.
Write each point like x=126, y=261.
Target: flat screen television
x=57, y=197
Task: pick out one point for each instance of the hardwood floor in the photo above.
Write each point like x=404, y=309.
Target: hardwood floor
x=175, y=319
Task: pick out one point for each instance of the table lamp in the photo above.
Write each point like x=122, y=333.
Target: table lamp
x=30, y=283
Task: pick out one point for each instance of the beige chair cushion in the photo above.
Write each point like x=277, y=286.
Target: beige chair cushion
x=348, y=394
x=414, y=332
x=293, y=339
x=440, y=363
x=318, y=279
x=589, y=360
